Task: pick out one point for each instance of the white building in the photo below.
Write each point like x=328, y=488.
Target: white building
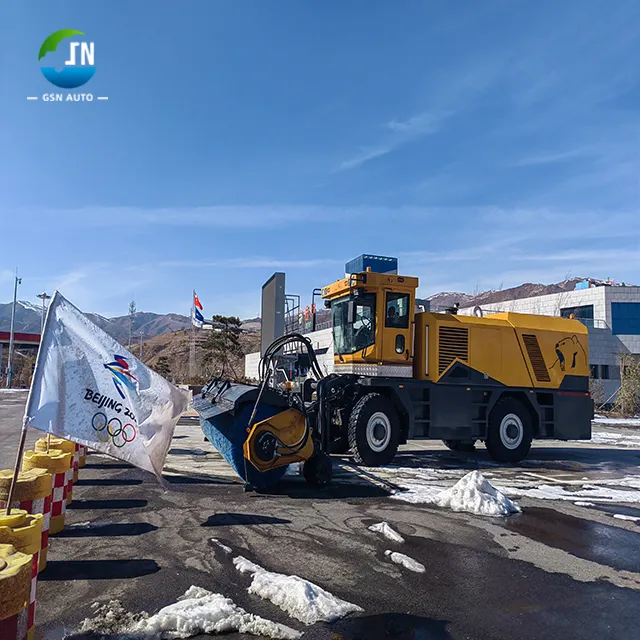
x=611, y=313
x=322, y=342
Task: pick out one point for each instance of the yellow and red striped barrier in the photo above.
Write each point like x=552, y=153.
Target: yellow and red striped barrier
x=16, y=569
x=24, y=532
x=33, y=495
x=57, y=463
x=68, y=447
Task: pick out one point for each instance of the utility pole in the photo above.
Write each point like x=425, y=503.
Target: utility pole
x=13, y=320
x=44, y=297
x=132, y=315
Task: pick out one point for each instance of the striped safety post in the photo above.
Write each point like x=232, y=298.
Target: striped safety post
x=24, y=532
x=82, y=456
x=57, y=464
x=15, y=589
x=33, y=495
x=68, y=447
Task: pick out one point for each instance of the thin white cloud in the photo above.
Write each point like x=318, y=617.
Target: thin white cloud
x=551, y=157
x=400, y=132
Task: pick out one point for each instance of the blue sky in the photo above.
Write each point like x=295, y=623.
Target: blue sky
x=483, y=143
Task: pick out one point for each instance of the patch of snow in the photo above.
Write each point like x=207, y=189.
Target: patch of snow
x=201, y=611
x=110, y=619
x=298, y=597
x=617, y=439
x=472, y=493
x=79, y=525
x=622, y=516
x=221, y=546
x=626, y=421
x=405, y=561
x=385, y=529
x=197, y=611
x=584, y=504
x=592, y=492
x=30, y=306
x=13, y=390
x=294, y=469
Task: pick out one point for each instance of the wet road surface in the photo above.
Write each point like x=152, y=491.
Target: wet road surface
x=556, y=570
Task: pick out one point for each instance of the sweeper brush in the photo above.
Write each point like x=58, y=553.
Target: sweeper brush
x=261, y=429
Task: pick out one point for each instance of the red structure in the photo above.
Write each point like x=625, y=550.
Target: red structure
x=20, y=339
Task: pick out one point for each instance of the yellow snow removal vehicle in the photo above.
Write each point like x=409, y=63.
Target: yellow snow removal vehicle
x=400, y=374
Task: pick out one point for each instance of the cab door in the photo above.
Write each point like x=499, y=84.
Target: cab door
x=397, y=327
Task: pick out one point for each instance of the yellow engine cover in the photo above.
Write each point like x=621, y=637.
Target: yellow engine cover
x=271, y=441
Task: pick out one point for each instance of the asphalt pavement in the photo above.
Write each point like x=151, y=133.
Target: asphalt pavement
x=557, y=570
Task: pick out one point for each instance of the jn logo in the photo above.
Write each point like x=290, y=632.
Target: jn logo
x=79, y=64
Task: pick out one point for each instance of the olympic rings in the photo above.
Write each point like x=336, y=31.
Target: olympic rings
x=99, y=421
x=112, y=430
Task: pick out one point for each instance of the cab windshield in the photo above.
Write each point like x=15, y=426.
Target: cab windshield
x=351, y=337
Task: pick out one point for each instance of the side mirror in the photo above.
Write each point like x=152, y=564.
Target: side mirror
x=327, y=304
x=351, y=312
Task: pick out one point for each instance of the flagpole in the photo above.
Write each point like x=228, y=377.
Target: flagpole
x=16, y=469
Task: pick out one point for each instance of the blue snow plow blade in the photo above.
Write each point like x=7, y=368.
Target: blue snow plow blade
x=225, y=409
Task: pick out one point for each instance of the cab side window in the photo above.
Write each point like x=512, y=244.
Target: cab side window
x=397, y=310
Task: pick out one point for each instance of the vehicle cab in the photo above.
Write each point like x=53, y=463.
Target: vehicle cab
x=373, y=321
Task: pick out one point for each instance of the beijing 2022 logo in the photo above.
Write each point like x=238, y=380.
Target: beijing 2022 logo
x=79, y=62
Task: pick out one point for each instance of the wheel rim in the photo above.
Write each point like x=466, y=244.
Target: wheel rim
x=511, y=431
x=378, y=432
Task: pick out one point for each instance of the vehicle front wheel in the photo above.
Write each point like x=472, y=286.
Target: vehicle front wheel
x=510, y=431
x=374, y=430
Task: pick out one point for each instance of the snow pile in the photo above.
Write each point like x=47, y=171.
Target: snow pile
x=298, y=597
x=588, y=492
x=385, y=529
x=111, y=619
x=197, y=611
x=472, y=493
x=405, y=561
x=221, y=546
x=621, y=516
x=582, y=503
x=201, y=611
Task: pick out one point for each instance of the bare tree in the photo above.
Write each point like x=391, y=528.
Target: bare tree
x=628, y=398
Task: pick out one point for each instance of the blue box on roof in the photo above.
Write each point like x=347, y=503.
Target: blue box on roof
x=583, y=284
x=378, y=264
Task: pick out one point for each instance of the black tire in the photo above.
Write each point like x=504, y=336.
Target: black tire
x=463, y=446
x=510, y=431
x=386, y=429
x=317, y=470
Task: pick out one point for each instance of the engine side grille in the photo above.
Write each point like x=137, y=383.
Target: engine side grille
x=535, y=356
x=453, y=343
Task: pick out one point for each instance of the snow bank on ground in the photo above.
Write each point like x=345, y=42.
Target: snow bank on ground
x=591, y=492
x=405, y=561
x=472, y=493
x=385, y=529
x=13, y=390
x=584, y=504
x=621, y=516
x=201, y=611
x=622, y=421
x=298, y=597
x=617, y=439
x=197, y=611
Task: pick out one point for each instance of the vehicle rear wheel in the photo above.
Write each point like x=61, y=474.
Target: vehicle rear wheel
x=464, y=446
x=510, y=431
x=374, y=430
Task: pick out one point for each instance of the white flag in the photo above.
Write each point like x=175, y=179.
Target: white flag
x=89, y=389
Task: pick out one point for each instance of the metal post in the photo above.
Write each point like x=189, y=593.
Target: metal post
x=13, y=320
x=44, y=297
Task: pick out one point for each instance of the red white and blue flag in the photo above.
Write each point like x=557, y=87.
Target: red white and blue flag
x=197, y=318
